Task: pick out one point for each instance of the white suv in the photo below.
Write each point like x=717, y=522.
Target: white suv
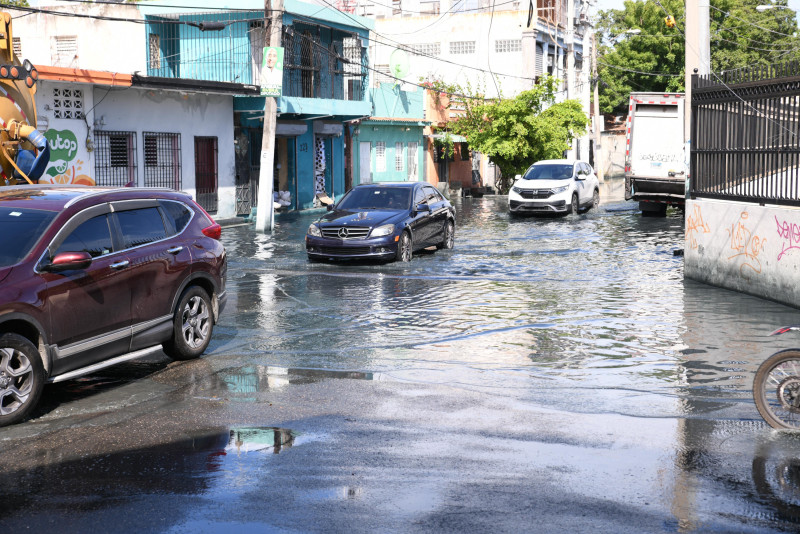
x=555, y=186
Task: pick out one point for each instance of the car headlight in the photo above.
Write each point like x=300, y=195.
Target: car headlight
x=517, y=190
x=560, y=189
x=380, y=231
x=313, y=229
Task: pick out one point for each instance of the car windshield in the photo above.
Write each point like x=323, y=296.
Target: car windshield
x=376, y=198
x=549, y=171
x=21, y=228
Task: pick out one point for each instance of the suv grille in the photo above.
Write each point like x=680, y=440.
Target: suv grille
x=535, y=193
x=345, y=232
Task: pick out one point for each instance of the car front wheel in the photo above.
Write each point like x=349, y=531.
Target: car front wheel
x=595, y=199
x=192, y=325
x=21, y=378
x=404, y=250
x=573, y=207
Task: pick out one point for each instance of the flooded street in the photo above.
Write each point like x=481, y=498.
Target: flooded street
x=545, y=374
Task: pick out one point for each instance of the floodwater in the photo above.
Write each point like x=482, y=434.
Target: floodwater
x=557, y=372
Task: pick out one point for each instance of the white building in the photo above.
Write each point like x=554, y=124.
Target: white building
x=109, y=124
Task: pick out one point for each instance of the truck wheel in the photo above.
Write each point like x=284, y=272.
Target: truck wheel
x=653, y=209
x=21, y=378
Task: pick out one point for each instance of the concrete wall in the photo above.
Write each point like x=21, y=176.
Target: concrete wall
x=744, y=247
x=115, y=46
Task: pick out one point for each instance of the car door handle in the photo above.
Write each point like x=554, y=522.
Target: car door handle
x=120, y=264
x=174, y=250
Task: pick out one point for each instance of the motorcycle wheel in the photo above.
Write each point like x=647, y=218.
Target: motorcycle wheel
x=776, y=390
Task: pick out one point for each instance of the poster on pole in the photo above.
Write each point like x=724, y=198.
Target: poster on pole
x=272, y=71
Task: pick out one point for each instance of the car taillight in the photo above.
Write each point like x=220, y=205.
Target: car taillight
x=215, y=230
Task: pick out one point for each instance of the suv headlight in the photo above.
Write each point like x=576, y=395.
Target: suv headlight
x=313, y=229
x=561, y=189
x=380, y=231
x=517, y=190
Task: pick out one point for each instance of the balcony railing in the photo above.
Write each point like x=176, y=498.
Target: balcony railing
x=319, y=61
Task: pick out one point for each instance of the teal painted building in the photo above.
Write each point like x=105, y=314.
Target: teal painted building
x=325, y=85
x=389, y=146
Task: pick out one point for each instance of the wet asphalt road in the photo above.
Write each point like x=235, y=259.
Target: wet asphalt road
x=544, y=375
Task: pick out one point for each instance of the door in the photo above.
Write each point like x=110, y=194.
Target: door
x=413, y=174
x=421, y=221
x=89, y=309
x=205, y=172
x=364, y=162
x=159, y=262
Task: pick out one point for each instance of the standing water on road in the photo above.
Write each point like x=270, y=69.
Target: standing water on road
x=584, y=312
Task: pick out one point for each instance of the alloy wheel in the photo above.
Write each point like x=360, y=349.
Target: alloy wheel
x=195, y=322
x=16, y=380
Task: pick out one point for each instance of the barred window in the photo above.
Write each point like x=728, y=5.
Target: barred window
x=162, y=159
x=155, y=51
x=462, y=47
x=508, y=45
x=67, y=103
x=398, y=156
x=380, y=156
x=17, y=46
x=115, y=158
x=427, y=49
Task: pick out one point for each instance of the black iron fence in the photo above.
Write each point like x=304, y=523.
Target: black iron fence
x=746, y=135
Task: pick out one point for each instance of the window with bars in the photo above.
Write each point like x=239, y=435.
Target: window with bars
x=427, y=49
x=429, y=8
x=115, y=158
x=64, y=50
x=162, y=159
x=380, y=156
x=17, y=46
x=398, y=156
x=396, y=7
x=155, y=51
x=67, y=103
x=462, y=47
x=508, y=45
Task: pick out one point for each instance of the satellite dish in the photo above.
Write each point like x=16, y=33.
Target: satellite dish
x=398, y=63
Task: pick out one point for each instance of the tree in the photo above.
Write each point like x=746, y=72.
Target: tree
x=517, y=132
x=653, y=60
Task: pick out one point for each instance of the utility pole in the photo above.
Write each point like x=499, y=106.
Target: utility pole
x=265, y=213
x=598, y=120
x=698, y=52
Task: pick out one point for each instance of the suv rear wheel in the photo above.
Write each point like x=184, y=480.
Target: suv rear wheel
x=21, y=378
x=192, y=325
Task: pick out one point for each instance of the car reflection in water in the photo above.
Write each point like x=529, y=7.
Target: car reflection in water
x=383, y=221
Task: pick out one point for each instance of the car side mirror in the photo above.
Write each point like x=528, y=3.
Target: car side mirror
x=518, y=177
x=68, y=261
x=422, y=207
x=329, y=207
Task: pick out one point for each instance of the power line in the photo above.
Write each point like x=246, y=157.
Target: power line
x=639, y=72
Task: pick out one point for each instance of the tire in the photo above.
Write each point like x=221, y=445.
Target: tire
x=192, y=325
x=404, y=248
x=449, y=236
x=574, y=205
x=776, y=390
x=595, y=200
x=21, y=378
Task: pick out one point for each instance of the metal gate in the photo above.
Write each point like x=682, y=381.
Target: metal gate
x=205, y=172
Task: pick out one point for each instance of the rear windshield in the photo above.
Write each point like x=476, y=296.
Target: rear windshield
x=20, y=228
x=553, y=171
x=381, y=198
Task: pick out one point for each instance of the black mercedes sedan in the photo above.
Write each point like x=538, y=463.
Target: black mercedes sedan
x=383, y=221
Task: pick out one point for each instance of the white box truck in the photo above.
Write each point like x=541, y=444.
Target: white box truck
x=655, y=162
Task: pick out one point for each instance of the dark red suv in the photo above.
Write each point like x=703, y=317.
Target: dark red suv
x=90, y=277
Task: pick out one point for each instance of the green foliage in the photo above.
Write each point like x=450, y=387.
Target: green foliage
x=654, y=60
x=517, y=132
x=20, y=3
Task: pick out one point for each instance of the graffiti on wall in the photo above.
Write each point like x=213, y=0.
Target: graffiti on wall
x=65, y=167
x=695, y=225
x=790, y=233
x=745, y=245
